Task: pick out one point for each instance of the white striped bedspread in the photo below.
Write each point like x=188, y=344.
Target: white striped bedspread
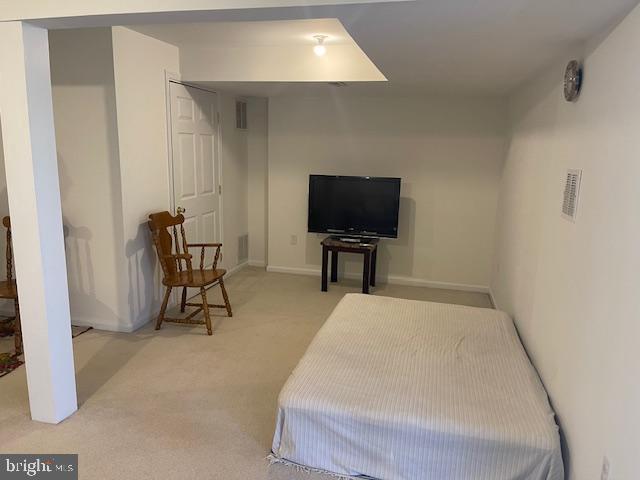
x=398, y=389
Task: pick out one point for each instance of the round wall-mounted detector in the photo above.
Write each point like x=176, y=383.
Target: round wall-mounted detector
x=572, y=81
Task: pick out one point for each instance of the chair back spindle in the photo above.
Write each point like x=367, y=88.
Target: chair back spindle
x=6, y=221
x=9, y=289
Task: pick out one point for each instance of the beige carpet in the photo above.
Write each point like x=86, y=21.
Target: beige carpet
x=177, y=404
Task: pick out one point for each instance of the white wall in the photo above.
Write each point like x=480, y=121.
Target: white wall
x=235, y=164
x=257, y=110
x=86, y=138
x=111, y=129
x=89, y=170
x=139, y=69
x=140, y=63
x=448, y=151
x=573, y=287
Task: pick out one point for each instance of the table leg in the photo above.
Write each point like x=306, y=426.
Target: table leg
x=325, y=260
x=366, y=274
x=374, y=260
x=334, y=266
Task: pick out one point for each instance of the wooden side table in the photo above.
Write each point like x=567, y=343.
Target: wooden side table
x=367, y=247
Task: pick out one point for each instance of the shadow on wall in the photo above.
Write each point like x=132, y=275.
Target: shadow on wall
x=83, y=299
x=144, y=284
x=352, y=263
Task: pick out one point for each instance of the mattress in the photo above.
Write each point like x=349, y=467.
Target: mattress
x=399, y=389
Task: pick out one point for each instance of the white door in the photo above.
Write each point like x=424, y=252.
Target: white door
x=194, y=163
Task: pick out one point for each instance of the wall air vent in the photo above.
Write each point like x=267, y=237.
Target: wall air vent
x=243, y=248
x=338, y=84
x=241, y=114
x=571, y=193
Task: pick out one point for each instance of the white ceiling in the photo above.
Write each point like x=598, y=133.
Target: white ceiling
x=255, y=33
x=269, y=51
x=486, y=47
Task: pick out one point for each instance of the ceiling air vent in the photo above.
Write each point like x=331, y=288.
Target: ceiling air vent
x=571, y=192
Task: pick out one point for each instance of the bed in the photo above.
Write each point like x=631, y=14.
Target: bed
x=398, y=389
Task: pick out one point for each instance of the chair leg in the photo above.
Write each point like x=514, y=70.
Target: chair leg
x=226, y=298
x=17, y=330
x=165, y=301
x=205, y=309
x=184, y=299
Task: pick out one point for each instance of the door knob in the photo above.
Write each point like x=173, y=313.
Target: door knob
x=181, y=210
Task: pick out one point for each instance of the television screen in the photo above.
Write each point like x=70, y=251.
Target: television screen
x=360, y=206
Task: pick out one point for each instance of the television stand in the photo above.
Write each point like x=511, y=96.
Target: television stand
x=368, y=247
x=348, y=239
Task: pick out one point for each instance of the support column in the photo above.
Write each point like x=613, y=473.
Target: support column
x=26, y=114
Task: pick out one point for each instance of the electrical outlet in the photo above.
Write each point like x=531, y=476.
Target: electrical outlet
x=293, y=240
x=604, y=475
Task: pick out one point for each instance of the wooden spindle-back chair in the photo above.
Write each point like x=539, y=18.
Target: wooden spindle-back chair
x=9, y=289
x=173, y=254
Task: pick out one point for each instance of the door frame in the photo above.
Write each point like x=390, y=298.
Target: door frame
x=171, y=77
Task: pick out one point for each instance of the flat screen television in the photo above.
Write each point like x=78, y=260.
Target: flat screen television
x=354, y=206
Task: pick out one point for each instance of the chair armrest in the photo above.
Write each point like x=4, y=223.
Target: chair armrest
x=179, y=256
x=203, y=246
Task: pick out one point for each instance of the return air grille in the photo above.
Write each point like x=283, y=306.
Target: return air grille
x=243, y=248
x=241, y=114
x=571, y=192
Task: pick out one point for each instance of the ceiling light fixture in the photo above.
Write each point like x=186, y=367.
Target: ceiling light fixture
x=320, y=49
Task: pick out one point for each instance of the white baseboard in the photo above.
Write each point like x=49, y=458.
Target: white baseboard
x=257, y=263
x=294, y=270
x=109, y=327
x=237, y=268
x=493, y=300
x=393, y=279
